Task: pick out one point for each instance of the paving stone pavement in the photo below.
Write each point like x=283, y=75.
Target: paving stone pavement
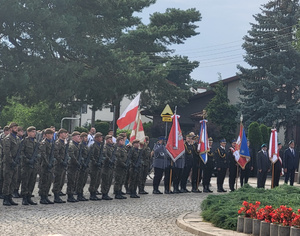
x=149, y=215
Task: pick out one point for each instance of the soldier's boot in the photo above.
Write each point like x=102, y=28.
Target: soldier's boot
x=219, y=189
x=80, y=197
x=176, y=188
x=142, y=191
x=93, y=197
x=106, y=197
x=16, y=194
x=122, y=193
x=30, y=201
x=134, y=195
x=6, y=201
x=205, y=189
x=48, y=200
x=43, y=200
x=12, y=201
x=118, y=195
x=71, y=198
x=85, y=199
x=223, y=190
x=25, y=201
x=57, y=198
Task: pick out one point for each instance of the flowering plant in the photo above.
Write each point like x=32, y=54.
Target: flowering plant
x=296, y=220
x=249, y=209
x=264, y=213
x=283, y=215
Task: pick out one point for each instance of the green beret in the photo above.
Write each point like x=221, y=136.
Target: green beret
x=108, y=137
x=98, y=134
x=62, y=131
x=75, y=133
x=31, y=128
x=12, y=124
x=48, y=131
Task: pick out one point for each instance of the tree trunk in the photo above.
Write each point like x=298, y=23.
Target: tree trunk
x=117, y=115
x=93, y=117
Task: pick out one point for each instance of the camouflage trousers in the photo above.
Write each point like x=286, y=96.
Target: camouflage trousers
x=72, y=176
x=142, y=177
x=133, y=179
x=106, y=176
x=28, y=175
x=120, y=175
x=81, y=181
x=59, y=178
x=9, y=178
x=45, y=181
x=95, y=175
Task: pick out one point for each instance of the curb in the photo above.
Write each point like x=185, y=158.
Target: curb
x=193, y=223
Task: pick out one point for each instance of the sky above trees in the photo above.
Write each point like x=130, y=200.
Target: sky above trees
x=223, y=25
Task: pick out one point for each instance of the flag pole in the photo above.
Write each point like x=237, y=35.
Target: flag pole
x=237, y=166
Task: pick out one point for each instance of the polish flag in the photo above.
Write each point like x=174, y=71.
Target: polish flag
x=273, y=146
x=129, y=115
x=175, y=146
x=138, y=130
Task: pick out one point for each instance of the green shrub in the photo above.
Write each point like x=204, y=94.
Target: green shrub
x=81, y=129
x=222, y=210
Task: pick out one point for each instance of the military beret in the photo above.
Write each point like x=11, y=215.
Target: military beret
x=108, y=137
x=210, y=139
x=60, y=131
x=48, y=131
x=75, y=133
x=223, y=140
x=119, y=138
x=135, y=141
x=12, y=124
x=290, y=142
x=83, y=134
x=20, y=128
x=264, y=145
x=6, y=128
x=98, y=134
x=31, y=128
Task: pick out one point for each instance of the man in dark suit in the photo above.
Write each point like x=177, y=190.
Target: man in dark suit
x=263, y=166
x=222, y=164
x=290, y=162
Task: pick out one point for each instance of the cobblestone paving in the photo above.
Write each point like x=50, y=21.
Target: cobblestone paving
x=149, y=215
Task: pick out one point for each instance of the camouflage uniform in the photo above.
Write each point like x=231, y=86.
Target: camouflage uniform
x=1, y=163
x=28, y=168
x=133, y=171
x=120, y=171
x=107, y=170
x=10, y=148
x=59, y=169
x=46, y=149
x=73, y=169
x=146, y=160
x=82, y=173
x=95, y=169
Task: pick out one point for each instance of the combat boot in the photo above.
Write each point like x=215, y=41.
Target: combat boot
x=12, y=201
x=30, y=201
x=57, y=198
x=106, y=197
x=93, y=197
x=6, y=201
x=47, y=199
x=25, y=201
x=143, y=192
x=80, y=197
x=122, y=193
x=205, y=189
x=43, y=200
x=118, y=195
x=71, y=198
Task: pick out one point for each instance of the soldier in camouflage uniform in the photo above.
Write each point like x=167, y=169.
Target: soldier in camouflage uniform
x=73, y=166
x=60, y=164
x=121, y=167
x=47, y=161
x=83, y=172
x=107, y=167
x=95, y=165
x=146, y=160
x=30, y=154
x=6, y=131
x=134, y=157
x=11, y=145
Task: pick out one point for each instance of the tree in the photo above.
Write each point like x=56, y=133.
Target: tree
x=264, y=133
x=221, y=113
x=271, y=86
x=255, y=136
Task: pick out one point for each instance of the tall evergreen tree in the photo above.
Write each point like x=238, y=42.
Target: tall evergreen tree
x=270, y=92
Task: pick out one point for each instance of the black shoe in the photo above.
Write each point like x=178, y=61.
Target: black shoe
x=93, y=197
x=143, y=192
x=43, y=200
x=49, y=202
x=168, y=192
x=119, y=196
x=187, y=191
x=62, y=194
x=205, y=190
x=134, y=196
x=80, y=197
x=57, y=198
x=223, y=190
x=106, y=197
x=6, y=201
x=71, y=198
x=30, y=201
x=12, y=201
x=25, y=201
x=156, y=192
x=176, y=191
x=196, y=191
x=219, y=191
x=16, y=194
x=122, y=193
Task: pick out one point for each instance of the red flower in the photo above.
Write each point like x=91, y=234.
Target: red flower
x=249, y=209
x=283, y=215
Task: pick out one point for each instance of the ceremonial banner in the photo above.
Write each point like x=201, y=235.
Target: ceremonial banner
x=138, y=130
x=175, y=145
x=241, y=153
x=129, y=115
x=273, y=146
x=203, y=147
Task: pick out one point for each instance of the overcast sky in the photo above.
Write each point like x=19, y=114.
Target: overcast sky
x=223, y=25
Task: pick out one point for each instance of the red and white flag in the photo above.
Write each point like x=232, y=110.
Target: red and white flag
x=129, y=115
x=273, y=146
x=175, y=145
x=138, y=130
